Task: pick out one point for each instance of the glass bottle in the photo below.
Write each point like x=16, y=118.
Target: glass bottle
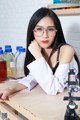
x=3, y=67
x=10, y=62
x=17, y=51
x=19, y=63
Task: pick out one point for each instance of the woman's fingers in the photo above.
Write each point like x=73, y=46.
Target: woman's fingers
x=3, y=96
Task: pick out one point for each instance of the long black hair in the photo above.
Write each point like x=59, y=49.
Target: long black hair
x=59, y=38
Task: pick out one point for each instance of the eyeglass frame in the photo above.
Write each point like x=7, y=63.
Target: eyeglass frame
x=46, y=29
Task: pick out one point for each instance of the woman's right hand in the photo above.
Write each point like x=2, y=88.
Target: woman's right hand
x=4, y=95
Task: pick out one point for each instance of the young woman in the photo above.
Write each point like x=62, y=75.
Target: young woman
x=48, y=56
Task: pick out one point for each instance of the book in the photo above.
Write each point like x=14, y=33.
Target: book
x=66, y=1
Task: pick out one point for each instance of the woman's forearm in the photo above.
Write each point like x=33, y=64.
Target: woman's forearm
x=16, y=88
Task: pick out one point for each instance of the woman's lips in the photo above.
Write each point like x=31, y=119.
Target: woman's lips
x=45, y=41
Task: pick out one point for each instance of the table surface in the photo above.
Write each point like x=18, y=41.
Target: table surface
x=37, y=105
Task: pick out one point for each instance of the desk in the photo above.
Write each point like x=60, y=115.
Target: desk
x=36, y=104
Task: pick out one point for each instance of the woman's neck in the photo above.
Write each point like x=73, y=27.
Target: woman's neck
x=46, y=53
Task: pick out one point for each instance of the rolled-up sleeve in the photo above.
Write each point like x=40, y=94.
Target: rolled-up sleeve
x=28, y=81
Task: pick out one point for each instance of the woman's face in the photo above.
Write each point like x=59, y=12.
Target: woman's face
x=44, y=32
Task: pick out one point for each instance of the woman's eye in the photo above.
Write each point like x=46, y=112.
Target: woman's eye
x=39, y=29
x=51, y=29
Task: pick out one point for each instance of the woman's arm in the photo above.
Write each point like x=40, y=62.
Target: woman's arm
x=41, y=71
x=16, y=88
x=27, y=82
x=51, y=84
x=5, y=93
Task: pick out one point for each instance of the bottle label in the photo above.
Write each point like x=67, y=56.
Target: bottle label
x=12, y=64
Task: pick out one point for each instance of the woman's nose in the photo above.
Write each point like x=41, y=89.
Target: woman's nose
x=45, y=33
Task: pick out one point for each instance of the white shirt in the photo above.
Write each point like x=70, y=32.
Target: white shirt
x=41, y=73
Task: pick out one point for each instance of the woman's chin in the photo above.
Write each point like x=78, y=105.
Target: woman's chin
x=44, y=46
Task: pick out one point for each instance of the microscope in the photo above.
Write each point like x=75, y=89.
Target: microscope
x=73, y=86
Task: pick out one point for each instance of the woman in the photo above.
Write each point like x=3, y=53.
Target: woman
x=48, y=57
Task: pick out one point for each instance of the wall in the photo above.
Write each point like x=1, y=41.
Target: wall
x=14, y=18
x=71, y=28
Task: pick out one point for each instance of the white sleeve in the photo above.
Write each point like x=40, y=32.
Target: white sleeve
x=51, y=84
x=28, y=81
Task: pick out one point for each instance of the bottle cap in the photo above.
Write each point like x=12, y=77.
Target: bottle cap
x=7, y=46
x=8, y=50
x=22, y=49
x=1, y=51
x=0, y=47
x=17, y=47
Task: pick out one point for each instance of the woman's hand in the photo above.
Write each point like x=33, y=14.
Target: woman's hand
x=4, y=95
x=35, y=49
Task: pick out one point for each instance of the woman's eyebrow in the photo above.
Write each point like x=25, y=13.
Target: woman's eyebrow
x=47, y=26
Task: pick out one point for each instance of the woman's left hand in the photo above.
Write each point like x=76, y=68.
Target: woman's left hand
x=35, y=49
